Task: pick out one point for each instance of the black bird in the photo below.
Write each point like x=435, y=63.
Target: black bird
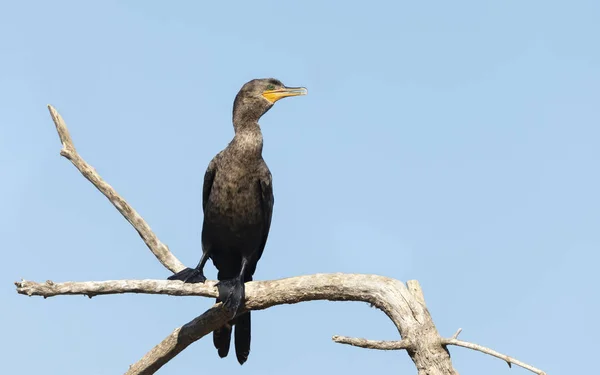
x=237, y=200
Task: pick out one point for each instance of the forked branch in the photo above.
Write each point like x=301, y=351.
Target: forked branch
x=403, y=304
x=389, y=295
x=404, y=344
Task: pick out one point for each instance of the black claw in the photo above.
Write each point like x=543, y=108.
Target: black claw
x=189, y=275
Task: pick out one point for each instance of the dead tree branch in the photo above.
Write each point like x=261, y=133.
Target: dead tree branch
x=493, y=353
x=372, y=344
x=389, y=295
x=261, y=295
x=159, y=249
x=403, y=304
x=404, y=344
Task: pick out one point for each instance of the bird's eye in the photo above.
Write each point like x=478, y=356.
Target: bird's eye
x=270, y=87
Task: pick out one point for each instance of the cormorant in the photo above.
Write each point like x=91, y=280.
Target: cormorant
x=237, y=200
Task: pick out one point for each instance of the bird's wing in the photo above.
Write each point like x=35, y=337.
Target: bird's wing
x=209, y=177
x=267, y=202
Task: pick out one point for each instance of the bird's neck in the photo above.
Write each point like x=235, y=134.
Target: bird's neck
x=248, y=139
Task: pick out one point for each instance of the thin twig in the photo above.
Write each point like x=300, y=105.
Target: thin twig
x=458, y=331
x=372, y=344
x=159, y=249
x=509, y=360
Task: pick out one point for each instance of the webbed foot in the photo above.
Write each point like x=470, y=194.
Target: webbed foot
x=189, y=275
x=232, y=293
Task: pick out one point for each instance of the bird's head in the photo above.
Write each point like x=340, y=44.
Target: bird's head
x=256, y=97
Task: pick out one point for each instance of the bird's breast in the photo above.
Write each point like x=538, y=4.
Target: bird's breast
x=235, y=199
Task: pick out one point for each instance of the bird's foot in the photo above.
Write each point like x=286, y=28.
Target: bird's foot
x=232, y=293
x=189, y=275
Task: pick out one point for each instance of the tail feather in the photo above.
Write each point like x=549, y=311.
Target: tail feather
x=222, y=339
x=222, y=336
x=242, y=337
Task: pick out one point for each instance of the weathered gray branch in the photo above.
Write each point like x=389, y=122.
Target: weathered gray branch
x=389, y=295
x=96, y=288
x=372, y=344
x=159, y=249
x=403, y=304
x=178, y=340
x=384, y=293
x=404, y=344
x=483, y=349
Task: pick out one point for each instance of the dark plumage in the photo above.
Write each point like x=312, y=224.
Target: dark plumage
x=237, y=200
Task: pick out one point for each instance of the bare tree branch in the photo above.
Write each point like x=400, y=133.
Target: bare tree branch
x=259, y=294
x=372, y=344
x=159, y=249
x=509, y=360
x=403, y=304
x=404, y=344
x=178, y=340
x=391, y=296
x=96, y=288
x=388, y=295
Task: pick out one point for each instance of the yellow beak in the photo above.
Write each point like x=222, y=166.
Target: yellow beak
x=274, y=95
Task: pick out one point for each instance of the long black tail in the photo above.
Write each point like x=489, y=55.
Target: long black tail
x=232, y=291
x=242, y=337
x=222, y=338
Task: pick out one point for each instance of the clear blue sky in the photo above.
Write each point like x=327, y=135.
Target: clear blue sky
x=456, y=143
